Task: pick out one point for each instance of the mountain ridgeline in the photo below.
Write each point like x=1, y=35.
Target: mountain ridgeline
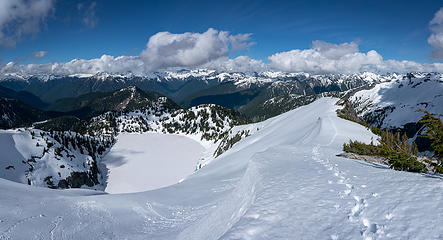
x=133, y=110
x=257, y=95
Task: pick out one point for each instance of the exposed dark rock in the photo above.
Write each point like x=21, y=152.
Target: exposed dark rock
x=78, y=179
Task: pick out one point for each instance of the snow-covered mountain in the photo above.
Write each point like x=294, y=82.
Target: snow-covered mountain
x=242, y=91
x=52, y=159
x=395, y=102
x=184, y=74
x=283, y=181
x=65, y=152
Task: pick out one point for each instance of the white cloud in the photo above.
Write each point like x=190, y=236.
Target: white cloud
x=326, y=57
x=105, y=63
x=238, y=64
x=166, y=50
x=21, y=17
x=409, y=66
x=135, y=65
x=39, y=54
x=89, y=17
x=210, y=50
x=436, y=38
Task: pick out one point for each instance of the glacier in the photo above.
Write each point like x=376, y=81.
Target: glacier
x=282, y=182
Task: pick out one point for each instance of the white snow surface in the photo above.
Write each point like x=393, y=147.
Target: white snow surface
x=282, y=182
x=11, y=144
x=407, y=96
x=141, y=162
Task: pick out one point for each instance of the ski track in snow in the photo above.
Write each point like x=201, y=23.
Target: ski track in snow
x=6, y=235
x=56, y=222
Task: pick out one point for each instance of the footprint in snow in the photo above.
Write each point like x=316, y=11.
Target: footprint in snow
x=358, y=207
x=371, y=227
x=389, y=216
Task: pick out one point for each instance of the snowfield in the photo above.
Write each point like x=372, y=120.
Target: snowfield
x=282, y=182
x=141, y=162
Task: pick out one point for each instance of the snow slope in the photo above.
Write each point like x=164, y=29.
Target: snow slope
x=395, y=103
x=32, y=156
x=12, y=167
x=141, y=162
x=282, y=182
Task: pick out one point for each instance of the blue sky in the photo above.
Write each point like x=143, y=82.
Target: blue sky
x=397, y=31
x=88, y=29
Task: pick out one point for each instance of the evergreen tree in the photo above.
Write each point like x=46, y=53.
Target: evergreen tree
x=434, y=131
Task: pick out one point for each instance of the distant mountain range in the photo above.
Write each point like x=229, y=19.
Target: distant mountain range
x=257, y=95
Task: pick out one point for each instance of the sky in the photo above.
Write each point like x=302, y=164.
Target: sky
x=310, y=36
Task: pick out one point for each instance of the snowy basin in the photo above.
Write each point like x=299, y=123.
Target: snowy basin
x=141, y=162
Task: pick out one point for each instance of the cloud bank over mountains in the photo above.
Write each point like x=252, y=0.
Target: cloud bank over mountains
x=106, y=63
x=322, y=58
x=326, y=57
x=211, y=50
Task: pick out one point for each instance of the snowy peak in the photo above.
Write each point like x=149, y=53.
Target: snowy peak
x=202, y=74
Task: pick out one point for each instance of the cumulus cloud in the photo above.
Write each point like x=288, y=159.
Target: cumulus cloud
x=212, y=53
x=21, y=17
x=39, y=54
x=89, y=17
x=166, y=50
x=436, y=38
x=106, y=63
x=135, y=65
x=326, y=57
